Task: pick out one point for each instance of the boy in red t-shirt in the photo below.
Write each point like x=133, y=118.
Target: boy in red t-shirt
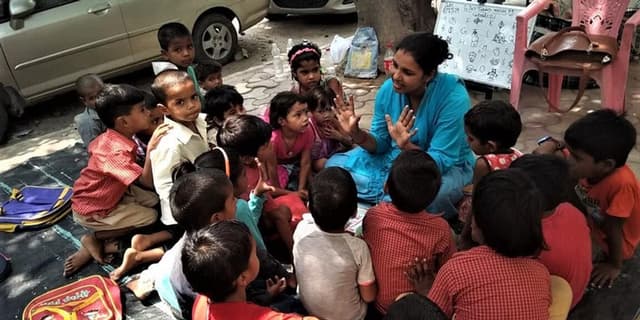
x=107, y=195
x=564, y=227
x=402, y=230
x=220, y=261
x=599, y=144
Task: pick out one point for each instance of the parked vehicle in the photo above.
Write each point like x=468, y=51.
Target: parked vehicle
x=278, y=9
x=47, y=44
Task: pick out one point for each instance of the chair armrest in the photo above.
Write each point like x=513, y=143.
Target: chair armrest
x=628, y=31
x=522, y=23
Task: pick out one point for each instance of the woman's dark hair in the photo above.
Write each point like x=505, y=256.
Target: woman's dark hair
x=320, y=99
x=219, y=100
x=195, y=196
x=214, y=257
x=550, y=174
x=507, y=208
x=245, y=134
x=280, y=106
x=414, y=181
x=333, y=198
x=496, y=121
x=427, y=49
x=116, y=100
x=302, y=52
x=212, y=159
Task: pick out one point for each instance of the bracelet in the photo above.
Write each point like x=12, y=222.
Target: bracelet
x=559, y=145
x=363, y=140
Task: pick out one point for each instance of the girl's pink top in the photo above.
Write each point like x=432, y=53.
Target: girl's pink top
x=286, y=155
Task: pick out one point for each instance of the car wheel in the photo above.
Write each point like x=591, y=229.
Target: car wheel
x=215, y=38
x=4, y=122
x=276, y=16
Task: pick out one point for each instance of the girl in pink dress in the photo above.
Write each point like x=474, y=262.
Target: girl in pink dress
x=292, y=139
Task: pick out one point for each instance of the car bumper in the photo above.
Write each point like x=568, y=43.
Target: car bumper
x=314, y=7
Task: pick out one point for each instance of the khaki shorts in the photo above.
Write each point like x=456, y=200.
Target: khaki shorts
x=134, y=210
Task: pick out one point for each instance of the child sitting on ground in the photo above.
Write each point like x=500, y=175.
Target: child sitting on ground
x=186, y=140
x=402, y=230
x=106, y=195
x=500, y=278
x=220, y=261
x=599, y=144
x=304, y=59
x=88, y=122
x=292, y=139
x=492, y=129
x=564, y=227
x=250, y=137
x=209, y=75
x=157, y=119
x=221, y=103
x=333, y=268
x=328, y=137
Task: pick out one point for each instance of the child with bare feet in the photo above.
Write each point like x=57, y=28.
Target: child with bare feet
x=112, y=193
x=197, y=199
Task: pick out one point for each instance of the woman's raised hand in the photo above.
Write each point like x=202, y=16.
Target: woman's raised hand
x=346, y=115
x=402, y=130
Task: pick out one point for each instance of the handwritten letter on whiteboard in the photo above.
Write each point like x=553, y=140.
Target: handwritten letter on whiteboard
x=481, y=39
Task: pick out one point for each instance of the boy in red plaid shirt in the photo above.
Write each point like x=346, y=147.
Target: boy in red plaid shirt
x=399, y=231
x=106, y=195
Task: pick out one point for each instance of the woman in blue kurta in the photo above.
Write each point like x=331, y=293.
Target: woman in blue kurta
x=417, y=108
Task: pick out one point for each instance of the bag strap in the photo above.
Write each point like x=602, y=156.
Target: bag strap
x=582, y=86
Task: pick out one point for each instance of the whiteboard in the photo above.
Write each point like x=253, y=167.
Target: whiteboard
x=481, y=39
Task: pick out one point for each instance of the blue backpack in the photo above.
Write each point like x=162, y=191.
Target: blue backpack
x=34, y=207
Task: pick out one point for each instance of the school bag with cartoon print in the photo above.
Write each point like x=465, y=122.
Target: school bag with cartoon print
x=91, y=298
x=34, y=207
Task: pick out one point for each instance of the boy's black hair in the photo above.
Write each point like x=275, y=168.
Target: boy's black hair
x=414, y=181
x=213, y=159
x=196, y=196
x=494, y=120
x=170, y=31
x=507, y=208
x=245, y=134
x=219, y=100
x=166, y=79
x=603, y=135
x=333, y=198
x=320, y=99
x=116, y=100
x=150, y=101
x=281, y=104
x=550, y=174
x=414, y=306
x=206, y=68
x=215, y=256
x=305, y=51
x=87, y=81
x=427, y=49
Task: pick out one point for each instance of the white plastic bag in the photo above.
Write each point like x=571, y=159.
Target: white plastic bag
x=339, y=48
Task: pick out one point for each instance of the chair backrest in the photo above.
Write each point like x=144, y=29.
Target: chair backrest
x=602, y=17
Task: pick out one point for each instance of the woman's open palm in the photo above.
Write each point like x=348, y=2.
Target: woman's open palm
x=346, y=115
x=402, y=130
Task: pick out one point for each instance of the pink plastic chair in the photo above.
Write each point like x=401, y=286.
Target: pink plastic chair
x=599, y=17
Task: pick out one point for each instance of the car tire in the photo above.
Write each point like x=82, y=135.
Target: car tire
x=17, y=103
x=4, y=122
x=276, y=16
x=215, y=38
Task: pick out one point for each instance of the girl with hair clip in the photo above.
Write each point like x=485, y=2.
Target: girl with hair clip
x=304, y=59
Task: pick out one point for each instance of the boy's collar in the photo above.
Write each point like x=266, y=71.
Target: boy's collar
x=183, y=133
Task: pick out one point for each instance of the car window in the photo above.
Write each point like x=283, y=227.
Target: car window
x=4, y=10
x=42, y=5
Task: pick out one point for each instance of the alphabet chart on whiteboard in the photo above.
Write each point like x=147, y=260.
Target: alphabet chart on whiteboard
x=481, y=38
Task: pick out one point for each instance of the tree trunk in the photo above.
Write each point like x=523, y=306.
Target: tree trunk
x=394, y=19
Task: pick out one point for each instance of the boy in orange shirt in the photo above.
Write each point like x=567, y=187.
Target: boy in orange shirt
x=599, y=144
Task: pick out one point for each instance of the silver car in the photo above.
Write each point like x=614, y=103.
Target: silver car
x=47, y=44
x=280, y=8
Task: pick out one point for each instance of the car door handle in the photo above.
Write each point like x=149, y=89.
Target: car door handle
x=99, y=9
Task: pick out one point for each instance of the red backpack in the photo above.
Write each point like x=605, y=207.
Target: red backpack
x=91, y=298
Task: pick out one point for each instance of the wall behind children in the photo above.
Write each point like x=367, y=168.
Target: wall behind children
x=481, y=38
